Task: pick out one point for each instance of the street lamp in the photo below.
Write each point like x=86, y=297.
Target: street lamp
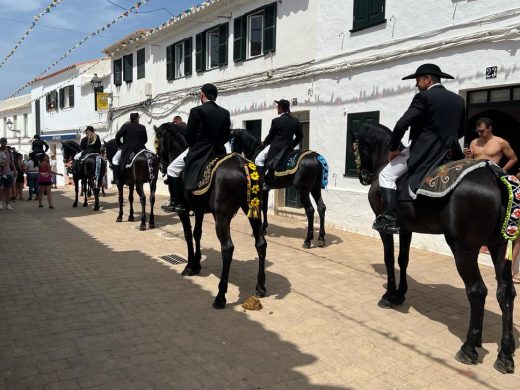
x=10, y=124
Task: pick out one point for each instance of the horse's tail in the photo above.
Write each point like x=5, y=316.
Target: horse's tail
x=324, y=170
x=253, y=188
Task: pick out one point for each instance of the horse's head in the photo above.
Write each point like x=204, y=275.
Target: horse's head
x=242, y=141
x=69, y=149
x=170, y=141
x=111, y=148
x=370, y=147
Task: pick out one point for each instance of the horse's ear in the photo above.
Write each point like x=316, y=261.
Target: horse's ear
x=155, y=128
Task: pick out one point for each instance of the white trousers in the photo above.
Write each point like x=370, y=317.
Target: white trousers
x=394, y=170
x=77, y=156
x=260, y=159
x=117, y=158
x=177, y=165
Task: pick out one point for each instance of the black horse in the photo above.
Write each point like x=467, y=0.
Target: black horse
x=145, y=169
x=92, y=171
x=468, y=217
x=227, y=194
x=307, y=180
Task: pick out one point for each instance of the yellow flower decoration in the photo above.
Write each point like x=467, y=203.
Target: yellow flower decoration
x=255, y=202
x=255, y=189
x=252, y=166
x=255, y=176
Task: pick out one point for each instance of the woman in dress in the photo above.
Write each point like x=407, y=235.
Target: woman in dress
x=45, y=181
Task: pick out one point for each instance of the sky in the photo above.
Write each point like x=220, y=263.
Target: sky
x=65, y=25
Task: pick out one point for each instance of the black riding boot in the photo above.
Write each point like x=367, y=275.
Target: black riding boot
x=116, y=172
x=387, y=222
x=171, y=188
x=178, y=194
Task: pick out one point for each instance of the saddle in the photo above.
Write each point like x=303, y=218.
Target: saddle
x=290, y=163
x=206, y=176
x=133, y=156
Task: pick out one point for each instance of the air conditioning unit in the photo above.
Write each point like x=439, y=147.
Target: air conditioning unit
x=148, y=90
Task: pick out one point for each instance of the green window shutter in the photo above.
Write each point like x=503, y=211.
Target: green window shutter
x=360, y=14
x=238, y=39
x=128, y=67
x=169, y=63
x=223, y=36
x=37, y=116
x=62, y=97
x=140, y=63
x=269, y=28
x=71, y=95
x=376, y=13
x=118, y=72
x=200, y=52
x=188, y=47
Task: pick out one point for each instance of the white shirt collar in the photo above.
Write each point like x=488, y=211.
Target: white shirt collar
x=434, y=85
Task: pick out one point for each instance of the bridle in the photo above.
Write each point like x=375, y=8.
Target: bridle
x=365, y=175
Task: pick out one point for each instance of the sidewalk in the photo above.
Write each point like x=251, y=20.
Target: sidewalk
x=85, y=302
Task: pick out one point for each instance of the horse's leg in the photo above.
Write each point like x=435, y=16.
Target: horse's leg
x=316, y=194
x=84, y=191
x=309, y=212
x=197, y=235
x=151, y=220
x=222, y=226
x=142, y=200
x=265, y=206
x=131, y=201
x=190, y=268
x=505, y=295
x=261, y=246
x=476, y=291
x=96, y=185
x=405, y=239
x=76, y=189
x=388, y=299
x=121, y=200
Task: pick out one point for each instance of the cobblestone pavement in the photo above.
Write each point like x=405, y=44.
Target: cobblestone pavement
x=86, y=303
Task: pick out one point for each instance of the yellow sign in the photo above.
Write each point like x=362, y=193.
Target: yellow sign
x=102, y=101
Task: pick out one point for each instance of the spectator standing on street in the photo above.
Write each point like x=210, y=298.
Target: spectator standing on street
x=19, y=178
x=45, y=181
x=32, y=170
x=8, y=171
x=53, y=168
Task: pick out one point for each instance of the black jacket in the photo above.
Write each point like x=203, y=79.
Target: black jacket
x=134, y=140
x=92, y=148
x=38, y=146
x=285, y=134
x=437, y=119
x=207, y=132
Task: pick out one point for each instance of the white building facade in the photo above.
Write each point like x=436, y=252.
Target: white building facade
x=64, y=104
x=16, y=122
x=339, y=63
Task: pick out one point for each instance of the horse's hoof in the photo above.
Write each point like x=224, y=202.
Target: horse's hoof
x=219, y=303
x=504, y=365
x=466, y=358
x=264, y=232
x=384, y=303
x=151, y=226
x=131, y=218
x=307, y=244
x=188, y=271
x=119, y=219
x=142, y=227
x=96, y=208
x=260, y=291
x=74, y=205
x=321, y=243
x=85, y=204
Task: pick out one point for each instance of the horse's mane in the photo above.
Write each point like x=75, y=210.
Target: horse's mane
x=174, y=133
x=71, y=145
x=374, y=134
x=248, y=140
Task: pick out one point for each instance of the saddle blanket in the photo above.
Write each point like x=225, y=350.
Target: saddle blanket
x=134, y=156
x=290, y=164
x=88, y=155
x=208, y=171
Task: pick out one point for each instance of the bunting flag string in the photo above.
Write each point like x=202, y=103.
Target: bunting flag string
x=105, y=27
x=36, y=18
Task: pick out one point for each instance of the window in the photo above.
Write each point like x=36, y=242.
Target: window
x=52, y=100
x=118, y=72
x=67, y=96
x=354, y=121
x=140, y=63
x=37, y=123
x=254, y=34
x=178, y=59
x=211, y=48
x=15, y=123
x=368, y=13
x=25, y=124
x=128, y=63
x=255, y=128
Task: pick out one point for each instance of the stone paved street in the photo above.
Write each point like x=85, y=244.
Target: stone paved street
x=87, y=303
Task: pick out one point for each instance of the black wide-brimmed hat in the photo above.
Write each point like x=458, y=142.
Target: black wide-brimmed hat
x=283, y=103
x=90, y=128
x=430, y=69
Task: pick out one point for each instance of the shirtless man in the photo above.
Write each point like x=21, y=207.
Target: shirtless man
x=490, y=147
